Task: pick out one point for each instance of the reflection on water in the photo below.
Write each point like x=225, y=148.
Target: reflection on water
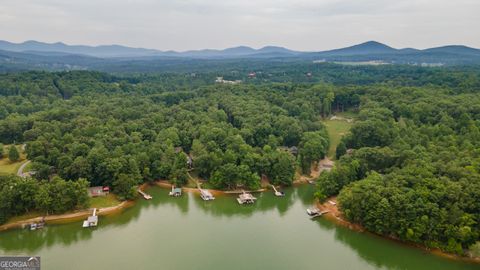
x=176, y=233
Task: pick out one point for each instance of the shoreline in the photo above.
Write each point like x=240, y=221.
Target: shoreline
x=76, y=215
x=335, y=215
x=215, y=192
x=70, y=216
x=66, y=217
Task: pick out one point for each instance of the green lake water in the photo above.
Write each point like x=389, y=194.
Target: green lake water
x=188, y=233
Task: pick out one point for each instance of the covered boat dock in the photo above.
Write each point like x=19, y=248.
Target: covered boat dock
x=246, y=198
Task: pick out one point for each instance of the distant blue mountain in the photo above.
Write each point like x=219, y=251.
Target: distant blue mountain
x=370, y=47
x=455, y=49
x=60, y=53
x=108, y=51
x=59, y=47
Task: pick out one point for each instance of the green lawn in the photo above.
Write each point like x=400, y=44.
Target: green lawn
x=336, y=130
x=8, y=167
x=104, y=201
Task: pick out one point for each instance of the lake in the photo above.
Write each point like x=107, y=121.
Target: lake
x=188, y=233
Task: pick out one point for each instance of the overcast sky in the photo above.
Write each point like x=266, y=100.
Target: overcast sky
x=197, y=24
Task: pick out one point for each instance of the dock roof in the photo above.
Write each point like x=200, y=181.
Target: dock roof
x=247, y=196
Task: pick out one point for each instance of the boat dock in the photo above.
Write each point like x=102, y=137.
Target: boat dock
x=246, y=198
x=37, y=225
x=315, y=212
x=278, y=193
x=176, y=192
x=206, y=195
x=145, y=195
x=92, y=220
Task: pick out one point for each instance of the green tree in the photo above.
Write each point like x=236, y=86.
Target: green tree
x=327, y=103
x=13, y=154
x=313, y=147
x=283, y=168
x=125, y=186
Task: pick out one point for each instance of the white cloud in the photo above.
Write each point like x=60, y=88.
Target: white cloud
x=194, y=24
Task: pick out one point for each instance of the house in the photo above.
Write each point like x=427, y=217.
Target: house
x=221, y=80
x=252, y=75
x=96, y=191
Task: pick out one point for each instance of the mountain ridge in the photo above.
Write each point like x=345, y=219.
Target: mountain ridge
x=114, y=50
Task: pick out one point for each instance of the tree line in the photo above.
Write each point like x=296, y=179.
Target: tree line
x=19, y=196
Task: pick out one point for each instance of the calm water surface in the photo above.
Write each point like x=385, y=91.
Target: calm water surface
x=188, y=233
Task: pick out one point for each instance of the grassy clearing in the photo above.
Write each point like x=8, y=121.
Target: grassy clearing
x=336, y=130
x=8, y=167
x=104, y=201
x=194, y=178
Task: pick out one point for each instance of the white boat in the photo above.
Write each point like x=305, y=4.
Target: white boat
x=36, y=226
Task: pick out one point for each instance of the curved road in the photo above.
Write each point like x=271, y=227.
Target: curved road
x=22, y=167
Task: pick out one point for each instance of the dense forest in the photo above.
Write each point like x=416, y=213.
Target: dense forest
x=121, y=132
x=409, y=168
x=414, y=172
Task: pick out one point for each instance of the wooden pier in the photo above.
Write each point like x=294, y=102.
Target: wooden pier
x=145, y=195
x=315, y=212
x=278, y=193
x=92, y=220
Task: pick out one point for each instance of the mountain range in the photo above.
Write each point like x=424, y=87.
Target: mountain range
x=62, y=56
x=109, y=51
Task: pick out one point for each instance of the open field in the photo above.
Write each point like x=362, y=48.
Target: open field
x=104, y=201
x=8, y=167
x=336, y=130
